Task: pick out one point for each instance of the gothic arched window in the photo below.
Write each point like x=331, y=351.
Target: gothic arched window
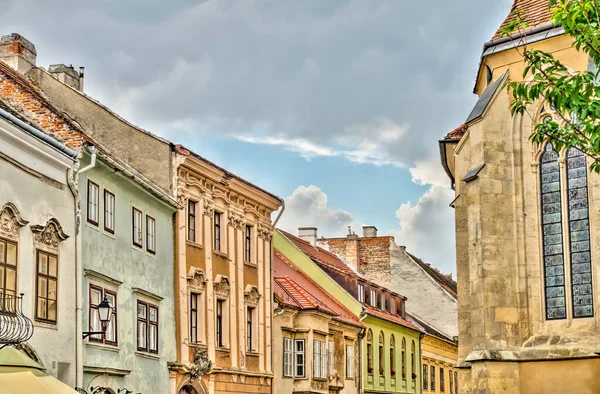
x=393, y=356
x=403, y=358
x=370, y=352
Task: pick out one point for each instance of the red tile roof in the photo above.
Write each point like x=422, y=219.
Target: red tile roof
x=443, y=280
x=298, y=290
x=457, y=133
x=534, y=12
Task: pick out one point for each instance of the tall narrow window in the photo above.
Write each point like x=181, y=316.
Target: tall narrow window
x=381, y=355
x=319, y=359
x=47, y=285
x=250, y=329
x=450, y=382
x=217, y=231
x=137, y=227
x=579, y=234
x=383, y=302
x=552, y=233
x=331, y=356
x=8, y=268
x=442, y=384
x=109, y=212
x=147, y=327
x=432, y=380
x=349, y=361
x=455, y=382
x=393, y=356
x=219, y=322
x=370, y=352
x=150, y=234
x=153, y=329
x=97, y=294
x=92, y=211
x=361, y=293
x=299, y=358
x=413, y=367
x=191, y=221
x=288, y=357
x=425, y=375
x=248, y=244
x=194, y=317
x=373, y=298
x=403, y=360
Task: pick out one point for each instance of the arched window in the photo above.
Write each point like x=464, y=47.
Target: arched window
x=413, y=369
x=393, y=356
x=381, y=354
x=370, y=352
x=403, y=358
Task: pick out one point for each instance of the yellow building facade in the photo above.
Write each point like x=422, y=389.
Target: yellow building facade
x=526, y=219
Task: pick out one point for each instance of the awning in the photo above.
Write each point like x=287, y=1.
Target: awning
x=19, y=374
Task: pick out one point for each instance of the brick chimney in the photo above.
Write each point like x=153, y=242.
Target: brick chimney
x=369, y=232
x=17, y=52
x=67, y=75
x=308, y=234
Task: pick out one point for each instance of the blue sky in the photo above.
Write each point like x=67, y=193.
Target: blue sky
x=336, y=105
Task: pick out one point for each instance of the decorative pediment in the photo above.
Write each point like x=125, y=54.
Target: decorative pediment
x=196, y=279
x=50, y=235
x=222, y=287
x=11, y=221
x=265, y=232
x=252, y=296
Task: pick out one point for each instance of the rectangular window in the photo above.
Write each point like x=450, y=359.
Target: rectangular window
x=147, y=327
x=150, y=234
x=92, y=212
x=109, y=212
x=194, y=317
x=250, y=329
x=425, y=375
x=47, y=286
x=455, y=382
x=450, y=382
x=248, y=245
x=393, y=309
x=432, y=380
x=217, y=231
x=288, y=357
x=349, y=361
x=191, y=221
x=331, y=358
x=442, y=388
x=383, y=302
x=137, y=227
x=299, y=359
x=219, y=322
x=373, y=298
x=97, y=294
x=370, y=358
x=8, y=269
x=381, y=359
x=319, y=359
x=361, y=293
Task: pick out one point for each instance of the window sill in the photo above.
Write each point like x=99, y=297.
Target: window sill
x=252, y=354
x=197, y=345
x=221, y=254
x=223, y=349
x=299, y=378
x=109, y=234
x=249, y=264
x=321, y=379
x=147, y=355
x=194, y=244
x=42, y=324
x=102, y=346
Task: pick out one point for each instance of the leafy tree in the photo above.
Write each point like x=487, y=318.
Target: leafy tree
x=575, y=97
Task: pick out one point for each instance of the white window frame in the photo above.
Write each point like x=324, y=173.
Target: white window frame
x=150, y=234
x=109, y=211
x=137, y=232
x=319, y=359
x=373, y=298
x=331, y=358
x=288, y=357
x=361, y=293
x=302, y=354
x=350, y=361
x=93, y=203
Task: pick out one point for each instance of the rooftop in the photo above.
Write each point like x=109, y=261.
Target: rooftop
x=534, y=12
x=443, y=280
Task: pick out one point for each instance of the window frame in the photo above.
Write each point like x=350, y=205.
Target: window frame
x=191, y=220
x=217, y=231
x=250, y=328
x=108, y=193
x=381, y=354
x=135, y=211
x=248, y=243
x=6, y=266
x=330, y=357
x=432, y=378
x=288, y=357
x=350, y=361
x=319, y=359
x=150, y=220
x=373, y=298
x=361, y=293
x=90, y=185
x=194, y=310
x=48, y=278
x=301, y=353
x=425, y=376
x=148, y=323
x=113, y=293
x=442, y=382
x=219, y=324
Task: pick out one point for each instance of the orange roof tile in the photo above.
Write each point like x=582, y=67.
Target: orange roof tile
x=457, y=133
x=534, y=12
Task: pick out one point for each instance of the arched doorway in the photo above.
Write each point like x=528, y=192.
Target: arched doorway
x=188, y=390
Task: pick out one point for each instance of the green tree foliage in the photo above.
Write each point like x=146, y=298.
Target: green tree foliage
x=574, y=96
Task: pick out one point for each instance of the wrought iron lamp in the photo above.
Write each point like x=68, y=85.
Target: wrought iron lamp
x=105, y=311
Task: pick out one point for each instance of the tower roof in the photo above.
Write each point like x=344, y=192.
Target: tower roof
x=534, y=12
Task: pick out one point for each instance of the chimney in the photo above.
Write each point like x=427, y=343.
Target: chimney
x=308, y=234
x=17, y=52
x=369, y=232
x=67, y=75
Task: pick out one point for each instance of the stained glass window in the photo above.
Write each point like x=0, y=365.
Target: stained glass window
x=579, y=234
x=554, y=270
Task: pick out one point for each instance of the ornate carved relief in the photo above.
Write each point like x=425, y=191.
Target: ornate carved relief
x=50, y=235
x=222, y=287
x=11, y=221
x=252, y=296
x=196, y=280
x=201, y=365
x=236, y=220
x=209, y=206
x=265, y=232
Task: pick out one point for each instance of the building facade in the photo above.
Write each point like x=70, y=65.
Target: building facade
x=526, y=215
x=37, y=243
x=224, y=281
x=390, y=345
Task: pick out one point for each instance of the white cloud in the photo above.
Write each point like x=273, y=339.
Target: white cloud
x=429, y=172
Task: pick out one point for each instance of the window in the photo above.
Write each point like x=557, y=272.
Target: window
x=450, y=382
x=92, y=212
x=194, y=298
x=250, y=329
x=97, y=294
x=8, y=268
x=288, y=357
x=455, y=382
x=425, y=375
x=381, y=355
x=319, y=359
x=299, y=359
x=403, y=358
x=150, y=234
x=383, y=302
x=373, y=298
x=217, y=231
x=191, y=221
x=442, y=387
x=47, y=285
x=219, y=322
x=349, y=361
x=361, y=293
x=331, y=360
x=432, y=380
x=109, y=212
x=147, y=327
x=248, y=244
x=413, y=367
x=137, y=227
x=393, y=356
x=370, y=352
x=393, y=309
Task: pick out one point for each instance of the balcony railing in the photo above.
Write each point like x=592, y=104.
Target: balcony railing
x=15, y=327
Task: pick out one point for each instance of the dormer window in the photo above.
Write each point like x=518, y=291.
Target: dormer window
x=361, y=293
x=383, y=302
x=373, y=298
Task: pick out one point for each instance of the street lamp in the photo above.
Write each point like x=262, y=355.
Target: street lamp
x=105, y=311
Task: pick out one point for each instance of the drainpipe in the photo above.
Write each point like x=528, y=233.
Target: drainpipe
x=73, y=180
x=272, y=282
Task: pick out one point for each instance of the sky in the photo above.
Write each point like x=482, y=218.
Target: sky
x=335, y=105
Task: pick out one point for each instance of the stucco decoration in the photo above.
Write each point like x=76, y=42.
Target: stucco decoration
x=50, y=235
x=209, y=207
x=252, y=296
x=222, y=287
x=196, y=279
x=265, y=232
x=11, y=221
x=201, y=364
x=236, y=220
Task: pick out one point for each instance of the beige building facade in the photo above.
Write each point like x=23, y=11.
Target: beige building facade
x=526, y=219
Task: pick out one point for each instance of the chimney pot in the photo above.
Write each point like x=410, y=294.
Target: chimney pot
x=67, y=75
x=308, y=234
x=369, y=232
x=17, y=52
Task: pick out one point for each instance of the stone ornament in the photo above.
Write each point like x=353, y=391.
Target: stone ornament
x=201, y=365
x=50, y=235
x=265, y=232
x=196, y=279
x=222, y=287
x=209, y=207
x=11, y=221
x=252, y=296
x=236, y=220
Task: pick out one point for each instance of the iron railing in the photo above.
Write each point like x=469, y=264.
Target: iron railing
x=15, y=327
